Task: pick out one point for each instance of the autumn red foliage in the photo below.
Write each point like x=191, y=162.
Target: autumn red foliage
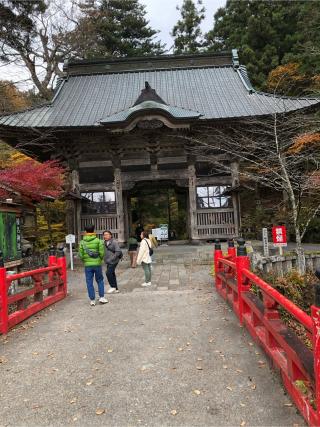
x=33, y=180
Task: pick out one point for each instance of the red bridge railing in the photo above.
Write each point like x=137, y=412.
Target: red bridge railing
x=259, y=312
x=49, y=286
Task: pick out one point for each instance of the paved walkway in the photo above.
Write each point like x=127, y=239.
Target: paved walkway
x=173, y=355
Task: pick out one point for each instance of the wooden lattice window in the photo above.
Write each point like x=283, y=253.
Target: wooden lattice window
x=98, y=202
x=213, y=197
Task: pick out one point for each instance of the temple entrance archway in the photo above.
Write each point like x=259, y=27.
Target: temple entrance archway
x=155, y=203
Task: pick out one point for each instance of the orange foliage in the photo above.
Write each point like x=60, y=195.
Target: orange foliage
x=284, y=77
x=304, y=141
x=11, y=99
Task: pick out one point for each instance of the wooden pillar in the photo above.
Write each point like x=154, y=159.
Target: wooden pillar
x=193, y=203
x=126, y=215
x=73, y=207
x=235, y=196
x=119, y=204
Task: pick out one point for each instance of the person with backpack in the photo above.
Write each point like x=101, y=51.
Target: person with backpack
x=113, y=255
x=91, y=252
x=144, y=257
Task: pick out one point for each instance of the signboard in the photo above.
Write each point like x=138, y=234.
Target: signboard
x=265, y=242
x=164, y=232
x=70, y=238
x=279, y=235
x=156, y=232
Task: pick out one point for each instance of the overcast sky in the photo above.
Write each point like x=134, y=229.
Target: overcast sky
x=162, y=16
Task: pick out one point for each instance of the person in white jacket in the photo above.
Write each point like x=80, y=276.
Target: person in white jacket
x=144, y=257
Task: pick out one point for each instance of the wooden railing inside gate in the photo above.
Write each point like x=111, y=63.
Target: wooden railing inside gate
x=49, y=286
x=299, y=366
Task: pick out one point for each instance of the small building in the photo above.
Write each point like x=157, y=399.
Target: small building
x=120, y=125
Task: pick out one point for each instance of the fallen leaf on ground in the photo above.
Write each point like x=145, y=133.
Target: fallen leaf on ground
x=239, y=371
x=242, y=404
x=261, y=362
x=35, y=353
x=89, y=383
x=3, y=360
x=253, y=386
x=225, y=367
x=199, y=368
x=243, y=423
x=100, y=411
x=72, y=401
x=197, y=392
x=250, y=343
x=110, y=350
x=199, y=359
x=287, y=404
x=74, y=419
x=188, y=343
x=160, y=348
x=230, y=388
x=174, y=412
x=84, y=357
x=180, y=349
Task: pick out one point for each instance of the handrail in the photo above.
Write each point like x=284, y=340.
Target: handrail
x=30, y=301
x=262, y=318
x=288, y=305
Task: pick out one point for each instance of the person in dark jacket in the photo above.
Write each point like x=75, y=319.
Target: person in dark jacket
x=132, y=250
x=91, y=252
x=111, y=258
x=139, y=230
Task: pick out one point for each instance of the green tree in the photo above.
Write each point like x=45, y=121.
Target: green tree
x=187, y=33
x=267, y=33
x=115, y=28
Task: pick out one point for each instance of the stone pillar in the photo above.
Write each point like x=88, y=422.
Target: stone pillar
x=119, y=204
x=235, y=196
x=193, y=203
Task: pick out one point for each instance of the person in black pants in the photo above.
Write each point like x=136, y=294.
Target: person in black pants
x=112, y=257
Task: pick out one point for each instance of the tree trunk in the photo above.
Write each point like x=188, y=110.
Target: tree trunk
x=301, y=261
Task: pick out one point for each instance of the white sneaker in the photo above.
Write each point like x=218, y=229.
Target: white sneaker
x=111, y=290
x=146, y=284
x=92, y=302
x=103, y=300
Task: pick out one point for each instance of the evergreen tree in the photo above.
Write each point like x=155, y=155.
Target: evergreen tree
x=116, y=28
x=187, y=33
x=265, y=32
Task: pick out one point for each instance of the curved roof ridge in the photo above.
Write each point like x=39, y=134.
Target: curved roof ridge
x=244, y=77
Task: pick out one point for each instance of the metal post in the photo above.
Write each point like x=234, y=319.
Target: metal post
x=315, y=315
x=61, y=261
x=3, y=297
x=242, y=262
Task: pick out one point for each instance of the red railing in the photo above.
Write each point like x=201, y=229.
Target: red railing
x=259, y=312
x=49, y=286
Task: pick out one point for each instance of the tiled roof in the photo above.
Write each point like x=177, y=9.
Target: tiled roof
x=216, y=92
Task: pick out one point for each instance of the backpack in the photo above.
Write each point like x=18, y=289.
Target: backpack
x=90, y=252
x=150, y=249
